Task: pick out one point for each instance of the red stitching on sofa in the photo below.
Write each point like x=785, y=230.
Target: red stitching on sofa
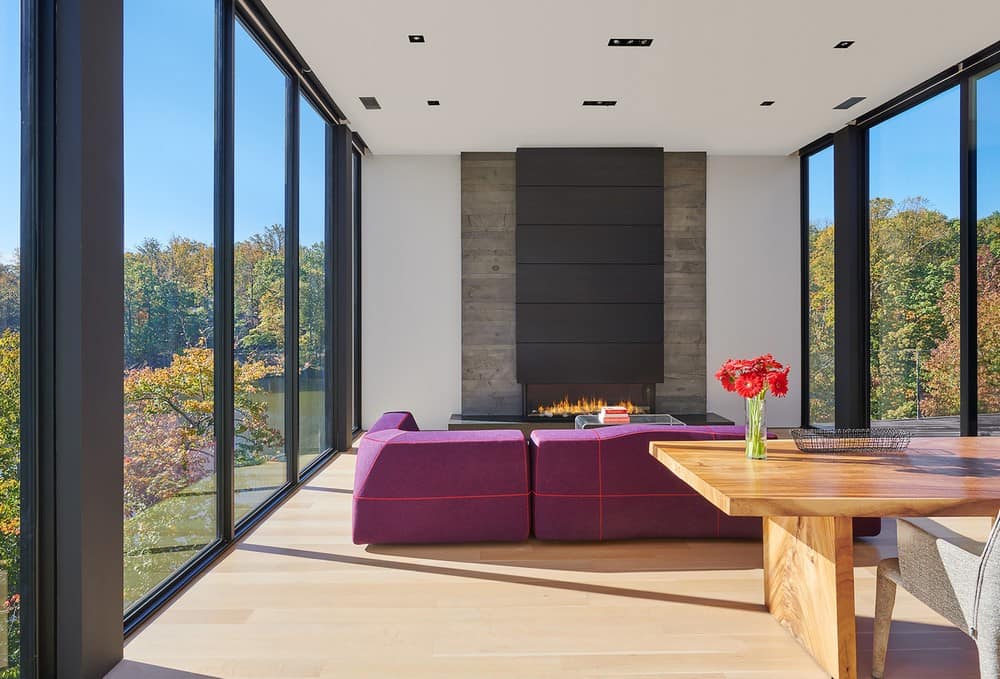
x=600, y=490
x=527, y=487
x=441, y=497
x=616, y=495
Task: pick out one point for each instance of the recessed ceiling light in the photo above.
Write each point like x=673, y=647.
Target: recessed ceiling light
x=416, y=38
x=599, y=102
x=843, y=44
x=630, y=42
x=767, y=102
x=370, y=103
x=848, y=103
x=433, y=102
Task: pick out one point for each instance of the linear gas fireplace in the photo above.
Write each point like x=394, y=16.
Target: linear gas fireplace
x=566, y=401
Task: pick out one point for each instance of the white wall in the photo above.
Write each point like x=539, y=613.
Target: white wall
x=753, y=280
x=411, y=287
x=411, y=281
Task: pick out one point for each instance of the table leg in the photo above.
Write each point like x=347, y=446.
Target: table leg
x=809, y=586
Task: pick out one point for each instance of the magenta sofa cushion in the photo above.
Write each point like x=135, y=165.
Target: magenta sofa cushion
x=415, y=486
x=602, y=484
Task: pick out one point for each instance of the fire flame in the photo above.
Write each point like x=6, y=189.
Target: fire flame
x=582, y=406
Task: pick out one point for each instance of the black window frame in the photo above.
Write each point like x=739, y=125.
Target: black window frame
x=821, y=144
x=852, y=310
x=357, y=156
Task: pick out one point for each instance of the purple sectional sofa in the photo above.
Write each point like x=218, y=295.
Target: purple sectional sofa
x=414, y=486
x=602, y=484
x=591, y=484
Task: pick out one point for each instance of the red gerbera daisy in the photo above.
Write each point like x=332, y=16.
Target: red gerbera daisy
x=749, y=385
x=727, y=379
x=778, y=382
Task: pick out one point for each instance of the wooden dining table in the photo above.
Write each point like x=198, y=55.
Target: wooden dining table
x=807, y=502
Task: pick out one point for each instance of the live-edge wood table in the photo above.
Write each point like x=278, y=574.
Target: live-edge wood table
x=807, y=502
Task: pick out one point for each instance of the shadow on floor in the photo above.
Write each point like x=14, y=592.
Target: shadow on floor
x=620, y=556
x=616, y=556
x=322, y=489
x=127, y=669
x=504, y=578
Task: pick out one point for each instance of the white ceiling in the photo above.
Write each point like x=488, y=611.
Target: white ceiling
x=514, y=73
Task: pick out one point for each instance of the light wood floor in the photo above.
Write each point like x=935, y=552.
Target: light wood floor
x=297, y=599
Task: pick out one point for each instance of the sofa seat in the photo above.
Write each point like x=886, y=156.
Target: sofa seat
x=414, y=486
x=602, y=484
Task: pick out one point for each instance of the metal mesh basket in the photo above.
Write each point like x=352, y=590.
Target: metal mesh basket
x=878, y=440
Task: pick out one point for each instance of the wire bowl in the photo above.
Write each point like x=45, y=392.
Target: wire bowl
x=877, y=441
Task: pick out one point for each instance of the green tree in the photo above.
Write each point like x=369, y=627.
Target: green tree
x=168, y=299
x=10, y=293
x=259, y=294
x=913, y=254
x=821, y=330
x=312, y=306
x=10, y=488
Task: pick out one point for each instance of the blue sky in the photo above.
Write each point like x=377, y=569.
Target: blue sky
x=10, y=117
x=916, y=153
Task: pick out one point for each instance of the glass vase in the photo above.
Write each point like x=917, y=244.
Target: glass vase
x=756, y=431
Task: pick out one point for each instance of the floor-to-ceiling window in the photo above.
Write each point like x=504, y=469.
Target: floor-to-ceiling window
x=914, y=167
x=170, y=452
x=820, y=286
x=313, y=269
x=259, y=274
x=183, y=190
x=10, y=337
x=987, y=130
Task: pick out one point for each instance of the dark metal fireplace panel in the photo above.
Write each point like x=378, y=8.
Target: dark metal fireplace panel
x=575, y=363
x=589, y=266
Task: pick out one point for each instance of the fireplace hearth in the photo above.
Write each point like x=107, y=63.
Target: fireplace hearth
x=566, y=401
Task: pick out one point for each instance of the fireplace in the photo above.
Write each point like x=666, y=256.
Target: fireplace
x=566, y=401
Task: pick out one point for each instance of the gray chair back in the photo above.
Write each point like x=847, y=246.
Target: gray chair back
x=986, y=611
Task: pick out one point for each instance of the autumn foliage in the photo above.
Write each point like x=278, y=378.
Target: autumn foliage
x=170, y=425
x=914, y=280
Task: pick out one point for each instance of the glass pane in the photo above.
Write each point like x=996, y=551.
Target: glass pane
x=312, y=284
x=170, y=503
x=259, y=275
x=10, y=336
x=821, y=357
x=914, y=260
x=988, y=207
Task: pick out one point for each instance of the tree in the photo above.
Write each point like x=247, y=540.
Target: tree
x=168, y=299
x=10, y=485
x=944, y=397
x=259, y=294
x=913, y=255
x=10, y=293
x=312, y=306
x=821, y=329
x=170, y=425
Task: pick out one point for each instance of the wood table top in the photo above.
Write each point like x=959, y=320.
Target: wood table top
x=933, y=477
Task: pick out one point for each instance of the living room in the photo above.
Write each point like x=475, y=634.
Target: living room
x=591, y=339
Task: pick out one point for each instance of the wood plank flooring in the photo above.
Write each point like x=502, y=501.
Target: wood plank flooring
x=297, y=599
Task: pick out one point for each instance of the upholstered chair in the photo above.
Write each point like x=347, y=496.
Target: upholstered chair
x=957, y=577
